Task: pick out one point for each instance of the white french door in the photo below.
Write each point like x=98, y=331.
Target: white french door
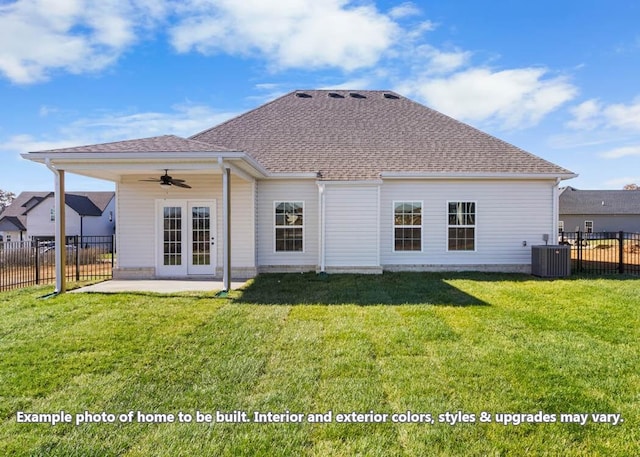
x=186, y=237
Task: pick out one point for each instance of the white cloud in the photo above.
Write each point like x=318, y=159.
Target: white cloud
x=288, y=33
x=404, y=10
x=619, y=116
x=586, y=115
x=27, y=143
x=619, y=183
x=184, y=120
x=429, y=60
x=513, y=98
x=623, y=116
x=38, y=36
x=624, y=151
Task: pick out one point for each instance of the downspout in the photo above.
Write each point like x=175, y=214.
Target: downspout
x=379, y=264
x=60, y=232
x=321, y=216
x=556, y=212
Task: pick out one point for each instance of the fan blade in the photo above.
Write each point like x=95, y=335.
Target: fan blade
x=178, y=180
x=180, y=184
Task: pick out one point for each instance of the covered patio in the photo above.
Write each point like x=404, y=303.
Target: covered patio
x=161, y=286
x=129, y=164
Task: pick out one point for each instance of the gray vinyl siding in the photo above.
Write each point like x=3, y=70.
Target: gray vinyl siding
x=270, y=191
x=602, y=223
x=508, y=213
x=351, y=226
x=137, y=218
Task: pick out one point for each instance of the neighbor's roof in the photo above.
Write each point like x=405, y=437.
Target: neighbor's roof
x=83, y=203
x=576, y=201
x=88, y=203
x=164, y=143
x=361, y=134
x=15, y=213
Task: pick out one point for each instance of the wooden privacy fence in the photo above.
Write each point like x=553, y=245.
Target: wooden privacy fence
x=603, y=252
x=27, y=263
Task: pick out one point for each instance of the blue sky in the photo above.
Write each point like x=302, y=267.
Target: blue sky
x=556, y=78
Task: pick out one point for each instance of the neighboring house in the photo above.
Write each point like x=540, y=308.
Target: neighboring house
x=599, y=210
x=335, y=181
x=32, y=215
x=13, y=220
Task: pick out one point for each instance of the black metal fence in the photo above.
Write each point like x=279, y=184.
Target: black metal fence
x=27, y=263
x=603, y=252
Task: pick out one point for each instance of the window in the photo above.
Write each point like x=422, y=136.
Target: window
x=588, y=226
x=52, y=214
x=289, y=224
x=407, y=226
x=172, y=228
x=8, y=238
x=560, y=226
x=462, y=226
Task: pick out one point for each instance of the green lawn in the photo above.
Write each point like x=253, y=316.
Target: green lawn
x=309, y=344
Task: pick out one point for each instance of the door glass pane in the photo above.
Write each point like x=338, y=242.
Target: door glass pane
x=172, y=223
x=200, y=234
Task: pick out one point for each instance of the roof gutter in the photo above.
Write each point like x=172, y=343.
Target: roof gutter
x=85, y=158
x=462, y=175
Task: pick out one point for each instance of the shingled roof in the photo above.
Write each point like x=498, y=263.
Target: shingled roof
x=15, y=213
x=345, y=135
x=164, y=143
x=88, y=203
x=576, y=201
x=83, y=203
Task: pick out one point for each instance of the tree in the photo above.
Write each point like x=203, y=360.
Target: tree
x=631, y=187
x=5, y=199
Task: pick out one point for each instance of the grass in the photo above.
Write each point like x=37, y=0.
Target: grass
x=304, y=343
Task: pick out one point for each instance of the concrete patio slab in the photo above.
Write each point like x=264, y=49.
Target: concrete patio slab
x=162, y=286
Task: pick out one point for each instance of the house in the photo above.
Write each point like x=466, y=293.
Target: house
x=32, y=215
x=332, y=181
x=599, y=210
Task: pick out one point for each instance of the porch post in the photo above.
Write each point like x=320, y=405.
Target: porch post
x=226, y=228
x=60, y=232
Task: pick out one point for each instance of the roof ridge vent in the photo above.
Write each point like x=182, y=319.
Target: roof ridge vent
x=356, y=95
x=390, y=96
x=335, y=95
x=303, y=95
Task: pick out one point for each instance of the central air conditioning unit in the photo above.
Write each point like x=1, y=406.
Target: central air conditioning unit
x=551, y=261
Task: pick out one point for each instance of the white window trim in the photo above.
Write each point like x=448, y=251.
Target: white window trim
x=560, y=226
x=393, y=226
x=585, y=227
x=52, y=215
x=475, y=226
x=304, y=218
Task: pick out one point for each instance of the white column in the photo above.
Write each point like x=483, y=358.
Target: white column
x=226, y=228
x=61, y=248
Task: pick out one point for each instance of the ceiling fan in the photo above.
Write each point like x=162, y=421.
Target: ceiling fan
x=166, y=180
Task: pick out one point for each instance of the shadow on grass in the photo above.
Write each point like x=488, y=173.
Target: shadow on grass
x=338, y=289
